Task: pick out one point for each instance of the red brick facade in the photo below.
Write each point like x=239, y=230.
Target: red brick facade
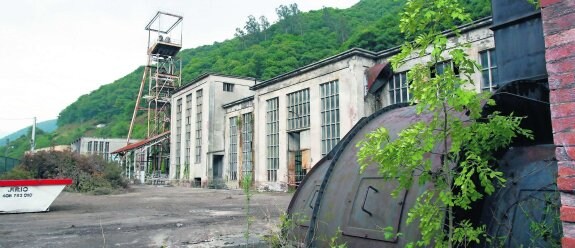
x=559, y=29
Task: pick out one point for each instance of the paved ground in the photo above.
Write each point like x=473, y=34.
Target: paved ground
x=147, y=216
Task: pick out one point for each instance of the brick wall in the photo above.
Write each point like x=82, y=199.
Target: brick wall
x=559, y=29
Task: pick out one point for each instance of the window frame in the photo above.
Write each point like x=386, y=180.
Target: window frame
x=493, y=83
x=298, y=110
x=403, y=88
x=198, y=147
x=228, y=87
x=330, y=115
x=272, y=139
x=233, y=149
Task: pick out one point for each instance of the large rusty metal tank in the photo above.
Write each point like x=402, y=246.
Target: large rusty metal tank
x=334, y=197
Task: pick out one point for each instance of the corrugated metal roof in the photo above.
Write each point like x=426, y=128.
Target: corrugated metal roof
x=141, y=143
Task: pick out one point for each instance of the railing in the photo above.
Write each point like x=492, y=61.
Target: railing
x=168, y=40
x=6, y=164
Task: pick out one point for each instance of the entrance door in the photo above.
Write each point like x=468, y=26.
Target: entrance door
x=218, y=166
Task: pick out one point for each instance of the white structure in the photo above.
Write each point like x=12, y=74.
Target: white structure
x=300, y=116
x=239, y=140
x=98, y=146
x=295, y=119
x=30, y=195
x=197, y=127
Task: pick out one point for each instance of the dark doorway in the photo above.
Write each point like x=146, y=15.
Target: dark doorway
x=218, y=168
x=298, y=158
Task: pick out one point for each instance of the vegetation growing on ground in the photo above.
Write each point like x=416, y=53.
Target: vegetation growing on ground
x=458, y=132
x=247, y=188
x=89, y=173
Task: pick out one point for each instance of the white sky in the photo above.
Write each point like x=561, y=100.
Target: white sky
x=54, y=51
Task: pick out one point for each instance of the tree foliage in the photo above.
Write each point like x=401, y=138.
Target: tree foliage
x=458, y=131
x=89, y=173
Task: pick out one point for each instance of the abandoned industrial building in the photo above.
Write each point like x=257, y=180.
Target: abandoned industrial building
x=299, y=129
x=99, y=146
x=197, y=139
x=226, y=126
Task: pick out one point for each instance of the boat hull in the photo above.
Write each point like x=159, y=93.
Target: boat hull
x=24, y=196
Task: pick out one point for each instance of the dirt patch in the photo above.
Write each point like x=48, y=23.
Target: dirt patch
x=147, y=216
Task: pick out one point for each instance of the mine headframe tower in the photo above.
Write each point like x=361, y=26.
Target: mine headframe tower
x=163, y=77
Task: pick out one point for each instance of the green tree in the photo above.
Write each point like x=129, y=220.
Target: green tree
x=295, y=40
x=252, y=26
x=264, y=25
x=458, y=132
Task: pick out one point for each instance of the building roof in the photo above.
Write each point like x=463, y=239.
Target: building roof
x=315, y=65
x=486, y=21
x=205, y=75
x=236, y=102
x=142, y=143
x=374, y=72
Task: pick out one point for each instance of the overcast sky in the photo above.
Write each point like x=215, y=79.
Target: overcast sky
x=54, y=51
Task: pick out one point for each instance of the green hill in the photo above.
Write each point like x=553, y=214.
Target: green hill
x=257, y=50
x=46, y=126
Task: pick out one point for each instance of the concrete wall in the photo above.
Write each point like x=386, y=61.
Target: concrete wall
x=559, y=30
x=237, y=111
x=349, y=72
x=212, y=138
x=348, y=68
x=81, y=146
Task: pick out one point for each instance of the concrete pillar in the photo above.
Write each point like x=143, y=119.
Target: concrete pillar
x=559, y=30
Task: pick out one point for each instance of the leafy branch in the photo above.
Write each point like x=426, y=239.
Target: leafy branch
x=451, y=151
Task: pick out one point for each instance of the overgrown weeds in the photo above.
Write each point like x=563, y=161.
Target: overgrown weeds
x=90, y=174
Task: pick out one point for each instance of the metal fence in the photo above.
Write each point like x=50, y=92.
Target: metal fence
x=6, y=164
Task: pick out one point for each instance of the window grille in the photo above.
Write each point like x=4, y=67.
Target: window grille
x=440, y=67
x=178, y=131
x=228, y=87
x=247, y=135
x=188, y=115
x=233, y=151
x=107, y=151
x=489, y=74
x=298, y=109
x=329, y=116
x=398, y=88
x=272, y=139
x=198, y=151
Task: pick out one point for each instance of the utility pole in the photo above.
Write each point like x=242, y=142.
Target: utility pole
x=33, y=140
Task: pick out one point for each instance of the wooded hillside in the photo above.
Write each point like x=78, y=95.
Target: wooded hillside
x=259, y=49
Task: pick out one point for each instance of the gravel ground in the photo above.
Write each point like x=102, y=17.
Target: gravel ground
x=146, y=216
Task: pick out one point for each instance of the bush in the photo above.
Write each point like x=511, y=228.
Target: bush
x=89, y=173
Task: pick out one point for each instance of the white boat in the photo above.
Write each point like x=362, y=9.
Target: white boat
x=30, y=195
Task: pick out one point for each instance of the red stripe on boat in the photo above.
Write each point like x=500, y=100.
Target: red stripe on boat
x=35, y=182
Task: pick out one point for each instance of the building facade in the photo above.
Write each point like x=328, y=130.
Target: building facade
x=98, y=146
x=225, y=127
x=239, y=141
x=197, y=127
x=300, y=116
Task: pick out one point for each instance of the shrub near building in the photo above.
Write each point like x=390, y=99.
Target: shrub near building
x=89, y=173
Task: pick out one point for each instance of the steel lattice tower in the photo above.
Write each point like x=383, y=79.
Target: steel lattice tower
x=163, y=76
